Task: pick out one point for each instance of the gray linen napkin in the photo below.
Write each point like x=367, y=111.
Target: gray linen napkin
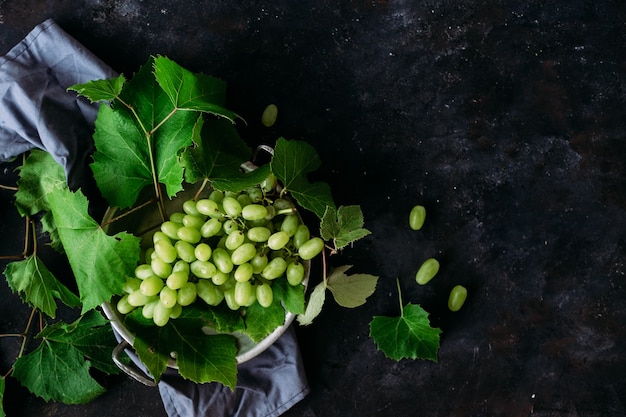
x=36, y=111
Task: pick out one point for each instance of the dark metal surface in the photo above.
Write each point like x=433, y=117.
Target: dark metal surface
x=505, y=119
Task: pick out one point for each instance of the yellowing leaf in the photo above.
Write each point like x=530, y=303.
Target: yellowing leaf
x=314, y=306
x=351, y=290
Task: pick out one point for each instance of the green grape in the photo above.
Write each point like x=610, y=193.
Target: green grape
x=165, y=251
x=170, y=228
x=203, y=252
x=230, y=226
x=217, y=196
x=269, y=115
x=138, y=299
x=457, y=297
x=168, y=296
x=258, y=262
x=219, y=278
x=290, y=224
x=189, y=234
x=151, y=286
x=143, y=271
x=185, y=250
x=234, y=240
x=177, y=217
x=244, y=200
x=231, y=206
x=254, y=212
x=123, y=306
x=148, y=255
x=259, y=234
x=189, y=207
x=271, y=212
x=256, y=195
x=311, y=248
x=209, y=293
x=278, y=240
x=211, y=227
x=269, y=183
x=243, y=292
x=177, y=310
x=295, y=273
x=161, y=314
x=417, y=217
x=202, y=269
x=282, y=204
x=186, y=294
x=148, y=310
x=222, y=260
x=229, y=297
x=243, y=272
x=274, y=269
x=161, y=268
x=181, y=266
x=243, y=254
x=207, y=207
x=427, y=271
x=131, y=284
x=193, y=221
x=177, y=280
x=302, y=235
x=264, y=295
x=159, y=235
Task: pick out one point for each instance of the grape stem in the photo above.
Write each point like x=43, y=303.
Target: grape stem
x=400, y=297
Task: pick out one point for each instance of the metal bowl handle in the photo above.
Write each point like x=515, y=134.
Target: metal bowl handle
x=136, y=374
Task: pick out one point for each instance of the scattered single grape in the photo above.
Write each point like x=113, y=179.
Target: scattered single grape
x=417, y=217
x=457, y=297
x=427, y=271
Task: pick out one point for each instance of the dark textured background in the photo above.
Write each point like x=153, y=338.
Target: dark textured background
x=505, y=119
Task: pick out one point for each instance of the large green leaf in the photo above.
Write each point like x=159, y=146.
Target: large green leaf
x=58, y=369
x=408, y=336
x=291, y=163
x=200, y=357
x=37, y=286
x=261, y=321
x=140, y=138
x=100, y=262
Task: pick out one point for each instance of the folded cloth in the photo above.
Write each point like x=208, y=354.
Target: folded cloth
x=36, y=111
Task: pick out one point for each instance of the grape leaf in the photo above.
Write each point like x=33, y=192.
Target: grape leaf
x=192, y=91
x=261, y=321
x=49, y=226
x=127, y=140
x=93, y=255
x=37, y=286
x=314, y=306
x=291, y=162
x=217, y=155
x=200, y=357
x=408, y=336
x=350, y=290
x=344, y=225
x=40, y=175
x=100, y=90
x=292, y=296
x=2, y=385
x=58, y=369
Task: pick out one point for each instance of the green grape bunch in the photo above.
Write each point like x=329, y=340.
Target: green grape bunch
x=226, y=248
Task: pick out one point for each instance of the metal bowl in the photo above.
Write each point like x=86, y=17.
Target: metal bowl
x=143, y=222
